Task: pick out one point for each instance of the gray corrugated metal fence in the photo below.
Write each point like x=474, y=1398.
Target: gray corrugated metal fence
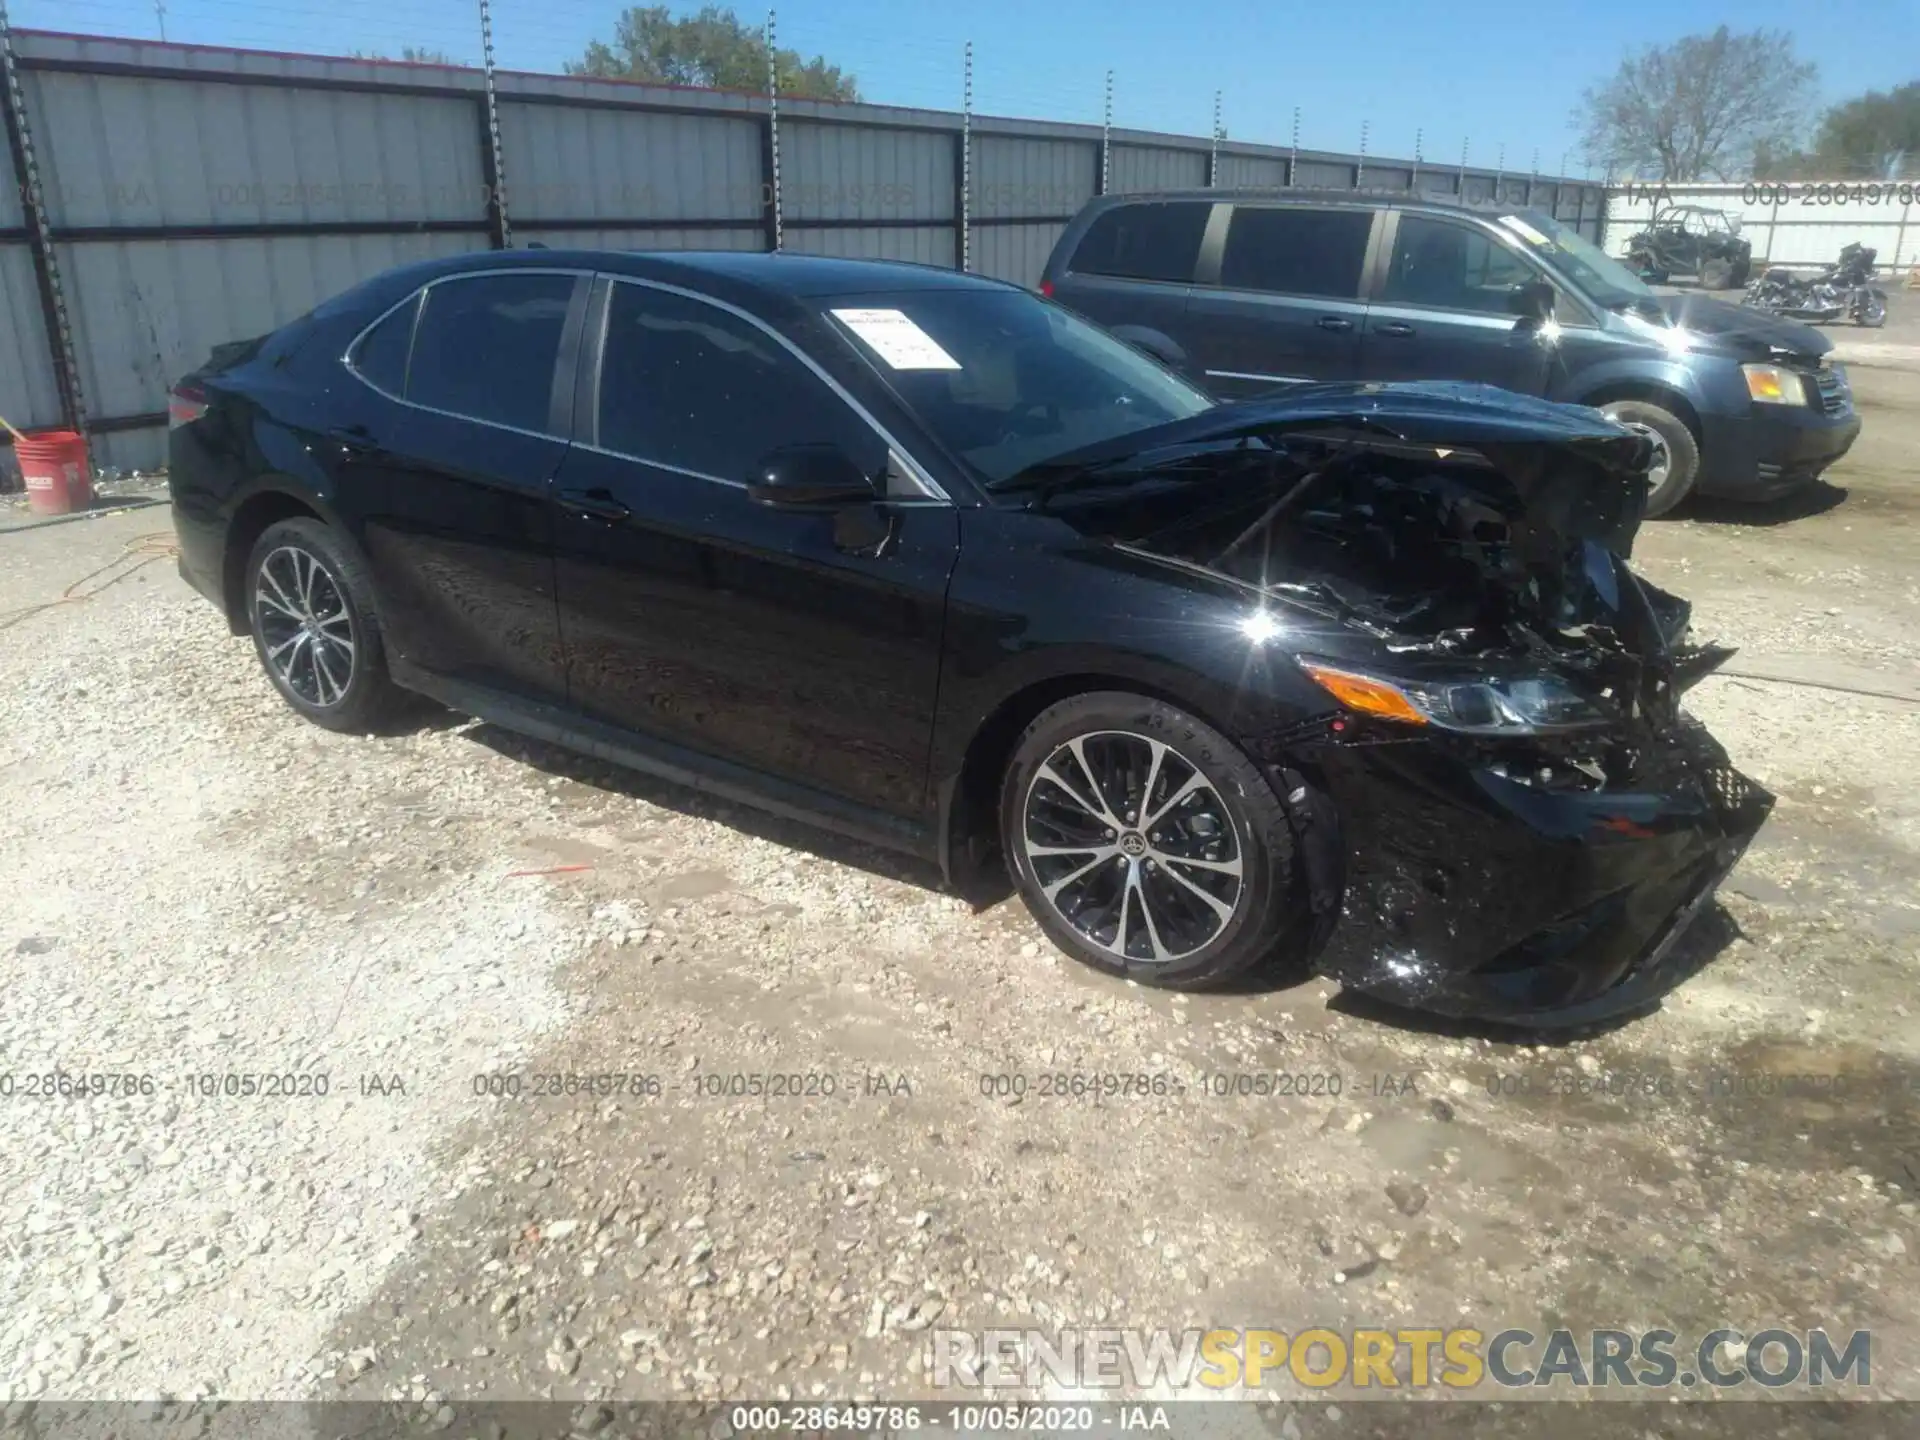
x=200, y=195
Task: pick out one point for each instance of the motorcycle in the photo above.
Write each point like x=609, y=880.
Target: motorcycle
x=1843, y=290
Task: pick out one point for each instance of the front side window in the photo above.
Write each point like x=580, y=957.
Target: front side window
x=485, y=347
x=689, y=385
x=1594, y=272
x=1452, y=267
x=381, y=355
x=1006, y=380
x=1318, y=253
x=1159, y=241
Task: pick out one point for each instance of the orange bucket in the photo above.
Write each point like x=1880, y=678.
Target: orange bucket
x=54, y=465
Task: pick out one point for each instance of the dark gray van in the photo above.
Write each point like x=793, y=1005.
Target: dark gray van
x=1245, y=292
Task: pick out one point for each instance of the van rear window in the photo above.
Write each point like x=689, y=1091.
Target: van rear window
x=1159, y=241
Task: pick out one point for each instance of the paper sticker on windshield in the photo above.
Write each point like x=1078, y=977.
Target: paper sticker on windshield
x=1524, y=230
x=897, y=340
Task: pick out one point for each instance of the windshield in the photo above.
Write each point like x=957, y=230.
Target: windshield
x=1007, y=380
x=1594, y=272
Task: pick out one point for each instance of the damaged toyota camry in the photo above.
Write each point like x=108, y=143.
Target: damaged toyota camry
x=1357, y=680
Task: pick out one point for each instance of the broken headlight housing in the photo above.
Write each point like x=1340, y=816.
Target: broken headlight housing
x=1490, y=705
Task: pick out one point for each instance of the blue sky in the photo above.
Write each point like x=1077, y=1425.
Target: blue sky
x=1491, y=72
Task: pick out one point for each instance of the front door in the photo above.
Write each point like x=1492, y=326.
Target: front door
x=803, y=643
x=1443, y=310
x=1284, y=305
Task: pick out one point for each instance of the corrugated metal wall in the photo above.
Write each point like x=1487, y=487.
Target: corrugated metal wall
x=200, y=195
x=166, y=152
x=1019, y=178
x=28, y=395
x=606, y=164
x=1138, y=167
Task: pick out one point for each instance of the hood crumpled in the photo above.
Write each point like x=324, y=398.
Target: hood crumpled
x=1446, y=520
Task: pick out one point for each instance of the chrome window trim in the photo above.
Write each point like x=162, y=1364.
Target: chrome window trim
x=420, y=295
x=929, y=487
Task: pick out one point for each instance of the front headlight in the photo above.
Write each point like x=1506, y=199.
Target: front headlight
x=1774, y=385
x=1523, y=705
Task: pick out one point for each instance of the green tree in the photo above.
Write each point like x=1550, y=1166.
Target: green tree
x=1703, y=108
x=712, y=49
x=1875, y=136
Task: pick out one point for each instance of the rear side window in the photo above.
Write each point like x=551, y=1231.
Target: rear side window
x=695, y=387
x=1452, y=267
x=1144, y=242
x=1297, y=252
x=381, y=355
x=485, y=347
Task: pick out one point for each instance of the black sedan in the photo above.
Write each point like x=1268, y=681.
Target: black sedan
x=1356, y=678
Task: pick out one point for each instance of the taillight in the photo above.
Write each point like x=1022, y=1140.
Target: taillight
x=1046, y=288
x=185, y=404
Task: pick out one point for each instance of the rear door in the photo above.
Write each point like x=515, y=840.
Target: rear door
x=459, y=515
x=1443, y=308
x=1279, y=301
x=1132, y=271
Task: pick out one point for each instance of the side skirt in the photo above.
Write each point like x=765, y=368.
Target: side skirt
x=682, y=766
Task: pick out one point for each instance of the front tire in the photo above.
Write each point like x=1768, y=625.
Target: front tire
x=310, y=610
x=1676, y=457
x=1146, y=844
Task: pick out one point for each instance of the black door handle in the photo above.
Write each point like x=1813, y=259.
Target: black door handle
x=1398, y=328
x=1334, y=322
x=598, y=502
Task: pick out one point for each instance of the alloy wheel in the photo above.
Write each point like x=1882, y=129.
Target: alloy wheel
x=1132, y=846
x=307, y=634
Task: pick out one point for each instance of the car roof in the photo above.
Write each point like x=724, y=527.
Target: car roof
x=1280, y=194
x=744, y=276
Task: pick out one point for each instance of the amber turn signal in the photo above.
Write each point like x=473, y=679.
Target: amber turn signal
x=1365, y=694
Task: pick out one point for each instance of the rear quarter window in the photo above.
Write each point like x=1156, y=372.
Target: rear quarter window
x=1159, y=241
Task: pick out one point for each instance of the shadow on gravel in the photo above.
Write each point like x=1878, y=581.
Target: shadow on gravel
x=684, y=800
x=1815, y=499
x=1705, y=941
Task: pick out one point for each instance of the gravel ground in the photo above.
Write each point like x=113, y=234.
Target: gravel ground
x=204, y=886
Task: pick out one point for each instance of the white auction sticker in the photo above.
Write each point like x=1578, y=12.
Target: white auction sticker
x=1524, y=230
x=897, y=340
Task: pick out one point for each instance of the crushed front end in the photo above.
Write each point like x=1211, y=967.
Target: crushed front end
x=1502, y=809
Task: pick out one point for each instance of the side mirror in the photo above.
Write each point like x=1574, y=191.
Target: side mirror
x=1534, y=300
x=809, y=475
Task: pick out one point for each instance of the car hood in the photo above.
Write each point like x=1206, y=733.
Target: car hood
x=1746, y=331
x=1598, y=493
x=1444, y=523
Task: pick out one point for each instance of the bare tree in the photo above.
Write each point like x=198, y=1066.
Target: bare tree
x=1698, y=109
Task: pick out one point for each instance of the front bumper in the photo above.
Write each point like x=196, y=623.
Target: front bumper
x=1772, y=450
x=1469, y=893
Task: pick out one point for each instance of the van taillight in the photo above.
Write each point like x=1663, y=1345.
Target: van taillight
x=1046, y=288
x=185, y=404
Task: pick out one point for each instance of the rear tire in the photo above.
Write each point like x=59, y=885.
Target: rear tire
x=1669, y=432
x=1147, y=845
x=315, y=628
